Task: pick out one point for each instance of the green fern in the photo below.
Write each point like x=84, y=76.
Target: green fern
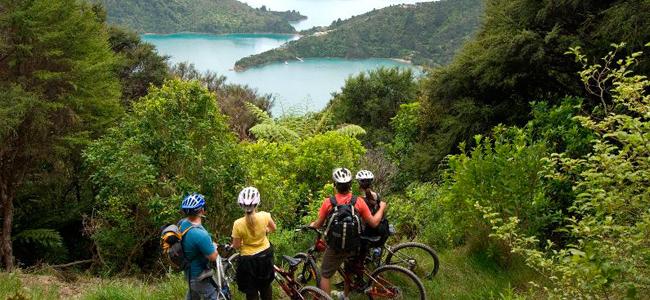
x=48, y=238
x=274, y=132
x=351, y=130
x=261, y=115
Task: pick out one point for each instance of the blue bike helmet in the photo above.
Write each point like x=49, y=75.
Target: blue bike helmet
x=192, y=203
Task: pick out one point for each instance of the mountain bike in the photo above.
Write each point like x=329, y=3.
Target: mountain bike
x=287, y=281
x=220, y=274
x=416, y=257
x=384, y=282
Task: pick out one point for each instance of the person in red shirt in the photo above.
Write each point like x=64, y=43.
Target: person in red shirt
x=332, y=259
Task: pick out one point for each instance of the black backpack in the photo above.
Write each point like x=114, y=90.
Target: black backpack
x=382, y=229
x=343, y=231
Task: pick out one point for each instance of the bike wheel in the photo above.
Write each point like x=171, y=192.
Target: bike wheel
x=312, y=292
x=417, y=257
x=308, y=272
x=395, y=282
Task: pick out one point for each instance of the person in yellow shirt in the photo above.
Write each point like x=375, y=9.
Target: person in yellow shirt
x=255, y=271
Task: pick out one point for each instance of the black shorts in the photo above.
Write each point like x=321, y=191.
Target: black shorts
x=255, y=272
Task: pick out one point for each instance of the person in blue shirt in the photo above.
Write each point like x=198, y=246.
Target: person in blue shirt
x=198, y=248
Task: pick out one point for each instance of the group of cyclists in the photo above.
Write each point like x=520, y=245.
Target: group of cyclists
x=340, y=215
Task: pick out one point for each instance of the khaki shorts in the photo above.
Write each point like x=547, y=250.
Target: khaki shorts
x=332, y=260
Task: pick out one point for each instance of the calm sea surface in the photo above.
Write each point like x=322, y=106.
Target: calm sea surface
x=297, y=86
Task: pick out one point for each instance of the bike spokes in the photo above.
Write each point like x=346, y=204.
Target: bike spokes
x=394, y=282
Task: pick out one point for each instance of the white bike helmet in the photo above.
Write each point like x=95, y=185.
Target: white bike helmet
x=341, y=175
x=365, y=175
x=249, y=198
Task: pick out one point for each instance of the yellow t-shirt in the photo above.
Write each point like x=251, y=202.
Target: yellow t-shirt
x=253, y=241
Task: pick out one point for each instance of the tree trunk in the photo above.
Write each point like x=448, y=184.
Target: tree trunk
x=7, y=201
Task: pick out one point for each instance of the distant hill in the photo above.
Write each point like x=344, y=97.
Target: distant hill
x=425, y=33
x=212, y=16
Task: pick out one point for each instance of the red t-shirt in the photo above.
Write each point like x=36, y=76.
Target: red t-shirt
x=360, y=206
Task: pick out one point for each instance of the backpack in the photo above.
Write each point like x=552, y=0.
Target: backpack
x=343, y=231
x=382, y=230
x=172, y=248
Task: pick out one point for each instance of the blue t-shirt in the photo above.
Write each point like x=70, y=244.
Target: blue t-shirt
x=197, y=244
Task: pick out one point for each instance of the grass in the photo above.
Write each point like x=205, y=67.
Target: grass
x=465, y=276
x=461, y=276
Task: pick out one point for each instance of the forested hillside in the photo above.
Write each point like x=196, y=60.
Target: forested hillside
x=427, y=33
x=525, y=162
x=210, y=16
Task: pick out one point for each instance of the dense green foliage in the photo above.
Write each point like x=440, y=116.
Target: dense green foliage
x=518, y=57
x=232, y=98
x=57, y=94
x=609, y=218
x=428, y=33
x=212, y=16
x=139, y=64
x=370, y=99
x=175, y=141
x=516, y=158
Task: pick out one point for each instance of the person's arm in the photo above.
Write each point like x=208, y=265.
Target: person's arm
x=322, y=215
x=236, y=243
x=318, y=223
x=372, y=221
x=236, y=237
x=207, y=248
x=270, y=227
x=213, y=256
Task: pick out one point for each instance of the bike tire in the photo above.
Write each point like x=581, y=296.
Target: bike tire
x=408, y=254
x=397, y=280
x=312, y=292
x=309, y=270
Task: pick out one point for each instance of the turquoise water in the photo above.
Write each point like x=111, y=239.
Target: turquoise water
x=323, y=12
x=296, y=86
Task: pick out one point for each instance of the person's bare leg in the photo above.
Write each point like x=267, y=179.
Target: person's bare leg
x=325, y=285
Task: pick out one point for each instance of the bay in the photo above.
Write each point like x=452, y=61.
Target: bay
x=323, y=12
x=297, y=86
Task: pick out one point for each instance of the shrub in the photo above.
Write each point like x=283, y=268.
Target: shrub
x=609, y=219
x=290, y=175
x=175, y=141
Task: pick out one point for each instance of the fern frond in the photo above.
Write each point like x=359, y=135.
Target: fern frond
x=260, y=115
x=48, y=238
x=351, y=130
x=273, y=132
x=324, y=120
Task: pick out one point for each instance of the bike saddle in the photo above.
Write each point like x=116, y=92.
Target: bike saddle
x=371, y=238
x=292, y=261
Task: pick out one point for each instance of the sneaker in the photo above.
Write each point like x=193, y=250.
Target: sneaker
x=340, y=295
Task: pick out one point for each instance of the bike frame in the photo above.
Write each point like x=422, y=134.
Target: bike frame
x=381, y=291
x=219, y=276
x=287, y=282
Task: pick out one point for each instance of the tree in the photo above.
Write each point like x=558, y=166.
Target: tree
x=518, y=57
x=233, y=98
x=174, y=141
x=139, y=64
x=609, y=220
x=58, y=90
x=371, y=99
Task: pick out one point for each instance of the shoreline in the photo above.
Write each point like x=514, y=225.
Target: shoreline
x=401, y=60
x=219, y=34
